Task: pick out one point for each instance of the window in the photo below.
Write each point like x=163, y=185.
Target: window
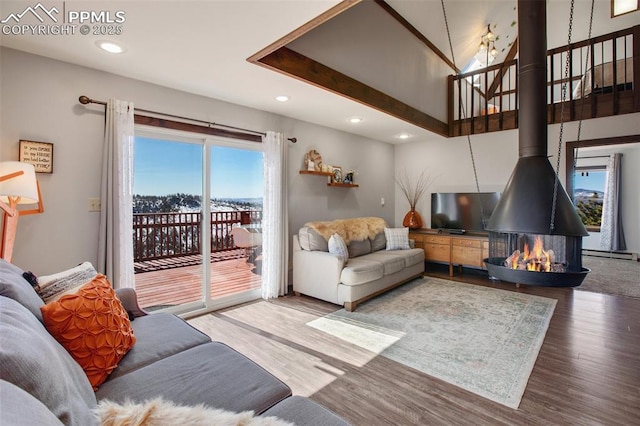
x=621, y=7
x=190, y=190
x=588, y=194
x=479, y=61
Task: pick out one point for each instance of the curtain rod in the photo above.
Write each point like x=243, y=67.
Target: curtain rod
x=84, y=100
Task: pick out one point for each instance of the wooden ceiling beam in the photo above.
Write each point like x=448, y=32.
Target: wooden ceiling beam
x=413, y=30
x=497, y=80
x=294, y=64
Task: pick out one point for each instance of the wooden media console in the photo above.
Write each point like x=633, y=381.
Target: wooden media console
x=468, y=249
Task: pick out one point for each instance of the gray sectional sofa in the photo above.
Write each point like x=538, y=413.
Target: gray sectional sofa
x=369, y=271
x=41, y=384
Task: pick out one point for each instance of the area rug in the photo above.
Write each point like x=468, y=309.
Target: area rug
x=611, y=276
x=479, y=338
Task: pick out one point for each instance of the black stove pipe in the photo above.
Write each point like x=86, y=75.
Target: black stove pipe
x=532, y=75
x=527, y=201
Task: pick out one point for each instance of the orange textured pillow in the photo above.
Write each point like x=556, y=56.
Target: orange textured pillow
x=93, y=326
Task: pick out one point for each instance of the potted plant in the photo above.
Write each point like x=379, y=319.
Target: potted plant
x=413, y=190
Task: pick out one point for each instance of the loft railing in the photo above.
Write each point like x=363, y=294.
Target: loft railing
x=164, y=235
x=473, y=97
x=606, y=86
x=487, y=100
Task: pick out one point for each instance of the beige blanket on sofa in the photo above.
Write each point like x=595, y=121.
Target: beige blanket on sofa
x=354, y=229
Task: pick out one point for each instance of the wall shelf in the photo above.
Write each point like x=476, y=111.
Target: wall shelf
x=310, y=172
x=344, y=185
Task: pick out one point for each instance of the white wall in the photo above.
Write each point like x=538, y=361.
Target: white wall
x=366, y=43
x=40, y=102
x=309, y=196
x=448, y=161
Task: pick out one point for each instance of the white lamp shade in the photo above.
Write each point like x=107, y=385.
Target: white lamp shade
x=23, y=186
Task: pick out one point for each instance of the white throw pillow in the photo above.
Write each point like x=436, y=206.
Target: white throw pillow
x=397, y=238
x=338, y=247
x=53, y=287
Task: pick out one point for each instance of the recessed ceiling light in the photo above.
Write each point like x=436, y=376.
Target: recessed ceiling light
x=282, y=98
x=355, y=120
x=109, y=46
x=403, y=136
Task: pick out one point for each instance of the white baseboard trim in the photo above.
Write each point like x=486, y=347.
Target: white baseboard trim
x=610, y=254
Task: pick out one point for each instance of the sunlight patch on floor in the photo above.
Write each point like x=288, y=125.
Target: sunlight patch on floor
x=305, y=372
x=291, y=325
x=365, y=336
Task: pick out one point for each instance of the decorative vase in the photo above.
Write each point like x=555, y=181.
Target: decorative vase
x=412, y=220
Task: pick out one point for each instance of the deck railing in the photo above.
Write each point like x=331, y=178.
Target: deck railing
x=163, y=235
x=602, y=81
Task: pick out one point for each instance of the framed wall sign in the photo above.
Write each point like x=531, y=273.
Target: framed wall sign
x=40, y=154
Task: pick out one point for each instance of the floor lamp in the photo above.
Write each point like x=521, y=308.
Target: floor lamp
x=18, y=185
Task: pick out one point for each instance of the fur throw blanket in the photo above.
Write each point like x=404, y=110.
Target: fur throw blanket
x=354, y=229
x=158, y=412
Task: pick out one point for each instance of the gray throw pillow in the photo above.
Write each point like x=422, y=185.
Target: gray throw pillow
x=33, y=360
x=379, y=242
x=14, y=286
x=311, y=240
x=359, y=248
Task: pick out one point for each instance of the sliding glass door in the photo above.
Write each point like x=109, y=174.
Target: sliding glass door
x=189, y=195
x=236, y=212
x=167, y=217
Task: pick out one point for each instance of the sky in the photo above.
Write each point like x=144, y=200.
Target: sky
x=595, y=180
x=162, y=167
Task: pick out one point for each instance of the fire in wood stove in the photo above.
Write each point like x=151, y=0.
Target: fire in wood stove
x=537, y=260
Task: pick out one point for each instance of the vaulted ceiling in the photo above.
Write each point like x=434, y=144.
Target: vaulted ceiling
x=202, y=47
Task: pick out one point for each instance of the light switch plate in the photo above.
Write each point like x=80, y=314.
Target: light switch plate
x=95, y=204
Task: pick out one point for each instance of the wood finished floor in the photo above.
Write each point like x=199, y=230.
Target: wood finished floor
x=587, y=372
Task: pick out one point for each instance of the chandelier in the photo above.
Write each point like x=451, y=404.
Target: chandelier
x=487, y=46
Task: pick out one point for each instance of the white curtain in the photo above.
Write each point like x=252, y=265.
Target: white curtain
x=611, y=233
x=275, y=218
x=115, y=250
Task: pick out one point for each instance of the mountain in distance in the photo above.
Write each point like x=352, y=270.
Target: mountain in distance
x=249, y=200
x=188, y=203
x=581, y=194
x=235, y=204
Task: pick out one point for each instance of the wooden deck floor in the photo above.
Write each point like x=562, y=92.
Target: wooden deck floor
x=170, y=285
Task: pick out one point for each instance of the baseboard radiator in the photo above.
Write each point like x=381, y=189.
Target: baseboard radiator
x=611, y=254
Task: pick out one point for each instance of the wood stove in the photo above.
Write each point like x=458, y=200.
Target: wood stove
x=535, y=215
x=564, y=265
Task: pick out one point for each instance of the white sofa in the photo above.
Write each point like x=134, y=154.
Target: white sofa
x=369, y=271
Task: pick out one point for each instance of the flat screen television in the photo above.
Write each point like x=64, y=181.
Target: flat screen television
x=461, y=210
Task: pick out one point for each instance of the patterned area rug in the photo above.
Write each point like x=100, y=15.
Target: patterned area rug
x=481, y=339
x=611, y=276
